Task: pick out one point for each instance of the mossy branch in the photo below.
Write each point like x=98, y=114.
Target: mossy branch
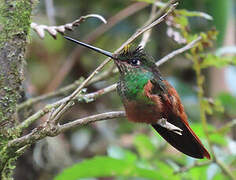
x=14, y=27
x=50, y=129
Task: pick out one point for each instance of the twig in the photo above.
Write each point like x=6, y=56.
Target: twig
x=161, y=11
x=53, y=30
x=147, y=34
x=62, y=91
x=63, y=107
x=90, y=119
x=49, y=107
x=178, y=51
x=47, y=130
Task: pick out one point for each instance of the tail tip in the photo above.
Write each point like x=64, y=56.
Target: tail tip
x=207, y=155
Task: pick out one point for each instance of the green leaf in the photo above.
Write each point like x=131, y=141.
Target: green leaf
x=102, y=166
x=144, y=146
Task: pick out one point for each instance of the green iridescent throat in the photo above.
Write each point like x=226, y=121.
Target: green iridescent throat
x=132, y=85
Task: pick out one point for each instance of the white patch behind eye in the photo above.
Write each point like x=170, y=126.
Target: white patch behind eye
x=138, y=62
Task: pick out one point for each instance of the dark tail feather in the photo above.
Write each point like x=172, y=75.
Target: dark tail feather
x=188, y=143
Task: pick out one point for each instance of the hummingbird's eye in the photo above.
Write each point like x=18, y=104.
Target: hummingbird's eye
x=134, y=62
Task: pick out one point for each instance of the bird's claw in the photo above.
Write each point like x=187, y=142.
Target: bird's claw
x=165, y=124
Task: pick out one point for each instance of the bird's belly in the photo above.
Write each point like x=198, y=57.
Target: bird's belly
x=143, y=113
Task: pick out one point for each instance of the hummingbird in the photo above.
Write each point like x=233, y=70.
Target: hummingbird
x=149, y=98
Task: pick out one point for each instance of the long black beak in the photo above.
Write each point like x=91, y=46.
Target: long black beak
x=106, y=53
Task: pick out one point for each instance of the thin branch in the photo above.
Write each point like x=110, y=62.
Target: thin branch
x=53, y=30
x=51, y=130
x=178, y=51
x=161, y=11
x=147, y=34
x=62, y=91
x=63, y=107
x=94, y=95
x=81, y=98
x=90, y=119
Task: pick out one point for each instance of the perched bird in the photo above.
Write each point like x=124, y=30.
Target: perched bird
x=150, y=99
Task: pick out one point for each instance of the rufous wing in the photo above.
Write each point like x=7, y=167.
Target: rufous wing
x=173, y=111
x=187, y=143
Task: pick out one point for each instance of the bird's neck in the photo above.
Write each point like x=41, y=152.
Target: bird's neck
x=131, y=85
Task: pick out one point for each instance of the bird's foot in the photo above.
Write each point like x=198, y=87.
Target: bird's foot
x=165, y=124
